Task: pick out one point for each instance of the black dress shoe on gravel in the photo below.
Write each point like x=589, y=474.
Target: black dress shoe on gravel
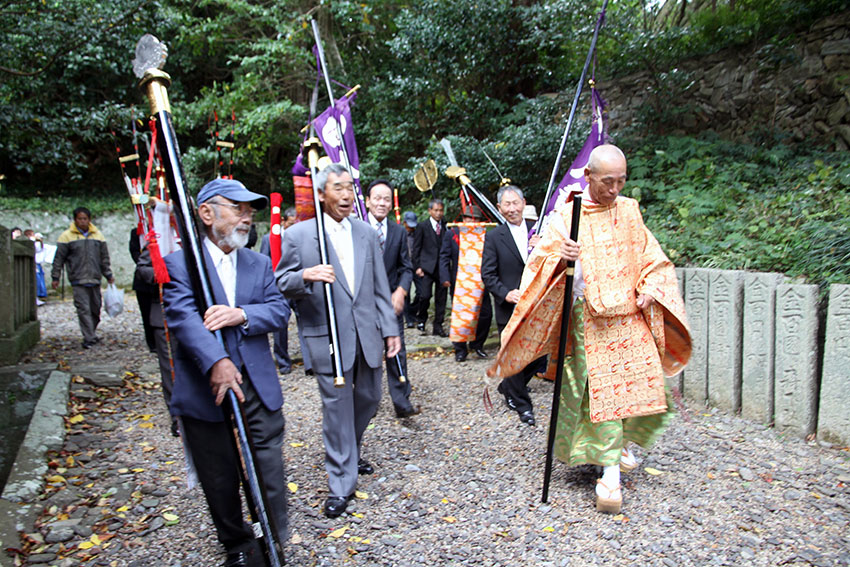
x=527, y=417
x=365, y=467
x=335, y=506
x=421, y=326
x=481, y=354
x=460, y=355
x=415, y=410
x=440, y=332
x=509, y=400
x=237, y=559
x=410, y=324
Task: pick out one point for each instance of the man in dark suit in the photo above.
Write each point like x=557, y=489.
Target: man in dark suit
x=393, y=240
x=504, y=257
x=427, y=240
x=247, y=307
x=449, y=253
x=364, y=318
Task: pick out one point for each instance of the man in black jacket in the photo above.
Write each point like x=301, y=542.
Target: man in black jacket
x=427, y=240
x=502, y=262
x=393, y=240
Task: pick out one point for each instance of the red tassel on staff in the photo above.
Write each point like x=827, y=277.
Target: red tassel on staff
x=160, y=270
x=274, y=235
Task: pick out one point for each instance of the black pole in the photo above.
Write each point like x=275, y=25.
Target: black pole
x=553, y=178
x=311, y=147
x=566, y=308
x=155, y=83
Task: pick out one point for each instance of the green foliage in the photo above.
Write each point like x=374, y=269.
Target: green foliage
x=718, y=204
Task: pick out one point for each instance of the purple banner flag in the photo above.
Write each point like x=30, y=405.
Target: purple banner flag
x=573, y=181
x=326, y=128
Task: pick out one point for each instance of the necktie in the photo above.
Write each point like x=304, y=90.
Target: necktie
x=225, y=274
x=437, y=230
x=381, y=239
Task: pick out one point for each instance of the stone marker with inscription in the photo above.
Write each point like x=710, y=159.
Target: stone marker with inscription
x=757, y=360
x=695, y=376
x=834, y=410
x=725, y=292
x=796, y=387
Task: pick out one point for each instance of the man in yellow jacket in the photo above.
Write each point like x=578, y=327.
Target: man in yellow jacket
x=82, y=248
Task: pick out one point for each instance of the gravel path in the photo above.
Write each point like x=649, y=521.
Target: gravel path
x=453, y=486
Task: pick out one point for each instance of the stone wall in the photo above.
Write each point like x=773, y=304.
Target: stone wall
x=757, y=346
x=802, y=89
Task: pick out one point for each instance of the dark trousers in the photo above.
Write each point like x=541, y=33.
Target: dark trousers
x=516, y=386
x=423, y=295
x=399, y=391
x=217, y=464
x=145, y=300
x=482, y=329
x=87, y=301
x=281, y=349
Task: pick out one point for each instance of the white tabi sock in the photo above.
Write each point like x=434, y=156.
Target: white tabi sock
x=611, y=480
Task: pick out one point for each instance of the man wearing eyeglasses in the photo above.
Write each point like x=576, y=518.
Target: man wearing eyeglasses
x=628, y=329
x=364, y=318
x=247, y=306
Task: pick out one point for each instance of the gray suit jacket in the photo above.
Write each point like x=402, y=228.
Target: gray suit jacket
x=368, y=316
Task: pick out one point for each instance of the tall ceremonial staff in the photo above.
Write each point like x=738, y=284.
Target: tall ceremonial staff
x=553, y=178
x=566, y=309
x=150, y=58
x=459, y=174
x=312, y=145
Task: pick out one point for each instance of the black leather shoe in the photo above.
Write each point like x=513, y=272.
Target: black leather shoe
x=509, y=400
x=421, y=326
x=481, y=353
x=335, y=506
x=440, y=332
x=527, y=417
x=460, y=355
x=365, y=467
x=410, y=324
x=415, y=410
x=237, y=559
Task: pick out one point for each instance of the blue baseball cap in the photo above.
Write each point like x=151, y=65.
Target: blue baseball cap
x=410, y=219
x=233, y=190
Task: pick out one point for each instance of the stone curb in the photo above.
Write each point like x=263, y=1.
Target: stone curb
x=46, y=432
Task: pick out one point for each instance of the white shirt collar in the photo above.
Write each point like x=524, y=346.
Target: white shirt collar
x=433, y=223
x=217, y=253
x=373, y=221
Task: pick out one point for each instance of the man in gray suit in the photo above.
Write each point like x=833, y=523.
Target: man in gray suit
x=364, y=317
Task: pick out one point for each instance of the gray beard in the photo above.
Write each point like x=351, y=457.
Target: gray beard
x=235, y=240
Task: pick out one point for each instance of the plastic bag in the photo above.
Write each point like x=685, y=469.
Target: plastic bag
x=113, y=300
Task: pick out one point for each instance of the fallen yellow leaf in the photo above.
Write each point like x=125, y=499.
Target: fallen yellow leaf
x=94, y=539
x=85, y=545
x=339, y=531
x=56, y=478
x=293, y=488
x=77, y=418
x=137, y=469
x=123, y=471
x=122, y=509
x=548, y=529
x=357, y=514
x=146, y=416
x=361, y=495
x=449, y=519
x=652, y=471
x=170, y=518
x=146, y=425
x=296, y=445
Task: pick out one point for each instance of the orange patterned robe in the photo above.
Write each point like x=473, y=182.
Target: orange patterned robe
x=628, y=351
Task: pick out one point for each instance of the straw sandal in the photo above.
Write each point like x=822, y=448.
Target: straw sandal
x=614, y=500
x=628, y=462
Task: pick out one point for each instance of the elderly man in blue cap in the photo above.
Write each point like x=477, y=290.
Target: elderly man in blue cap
x=247, y=306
